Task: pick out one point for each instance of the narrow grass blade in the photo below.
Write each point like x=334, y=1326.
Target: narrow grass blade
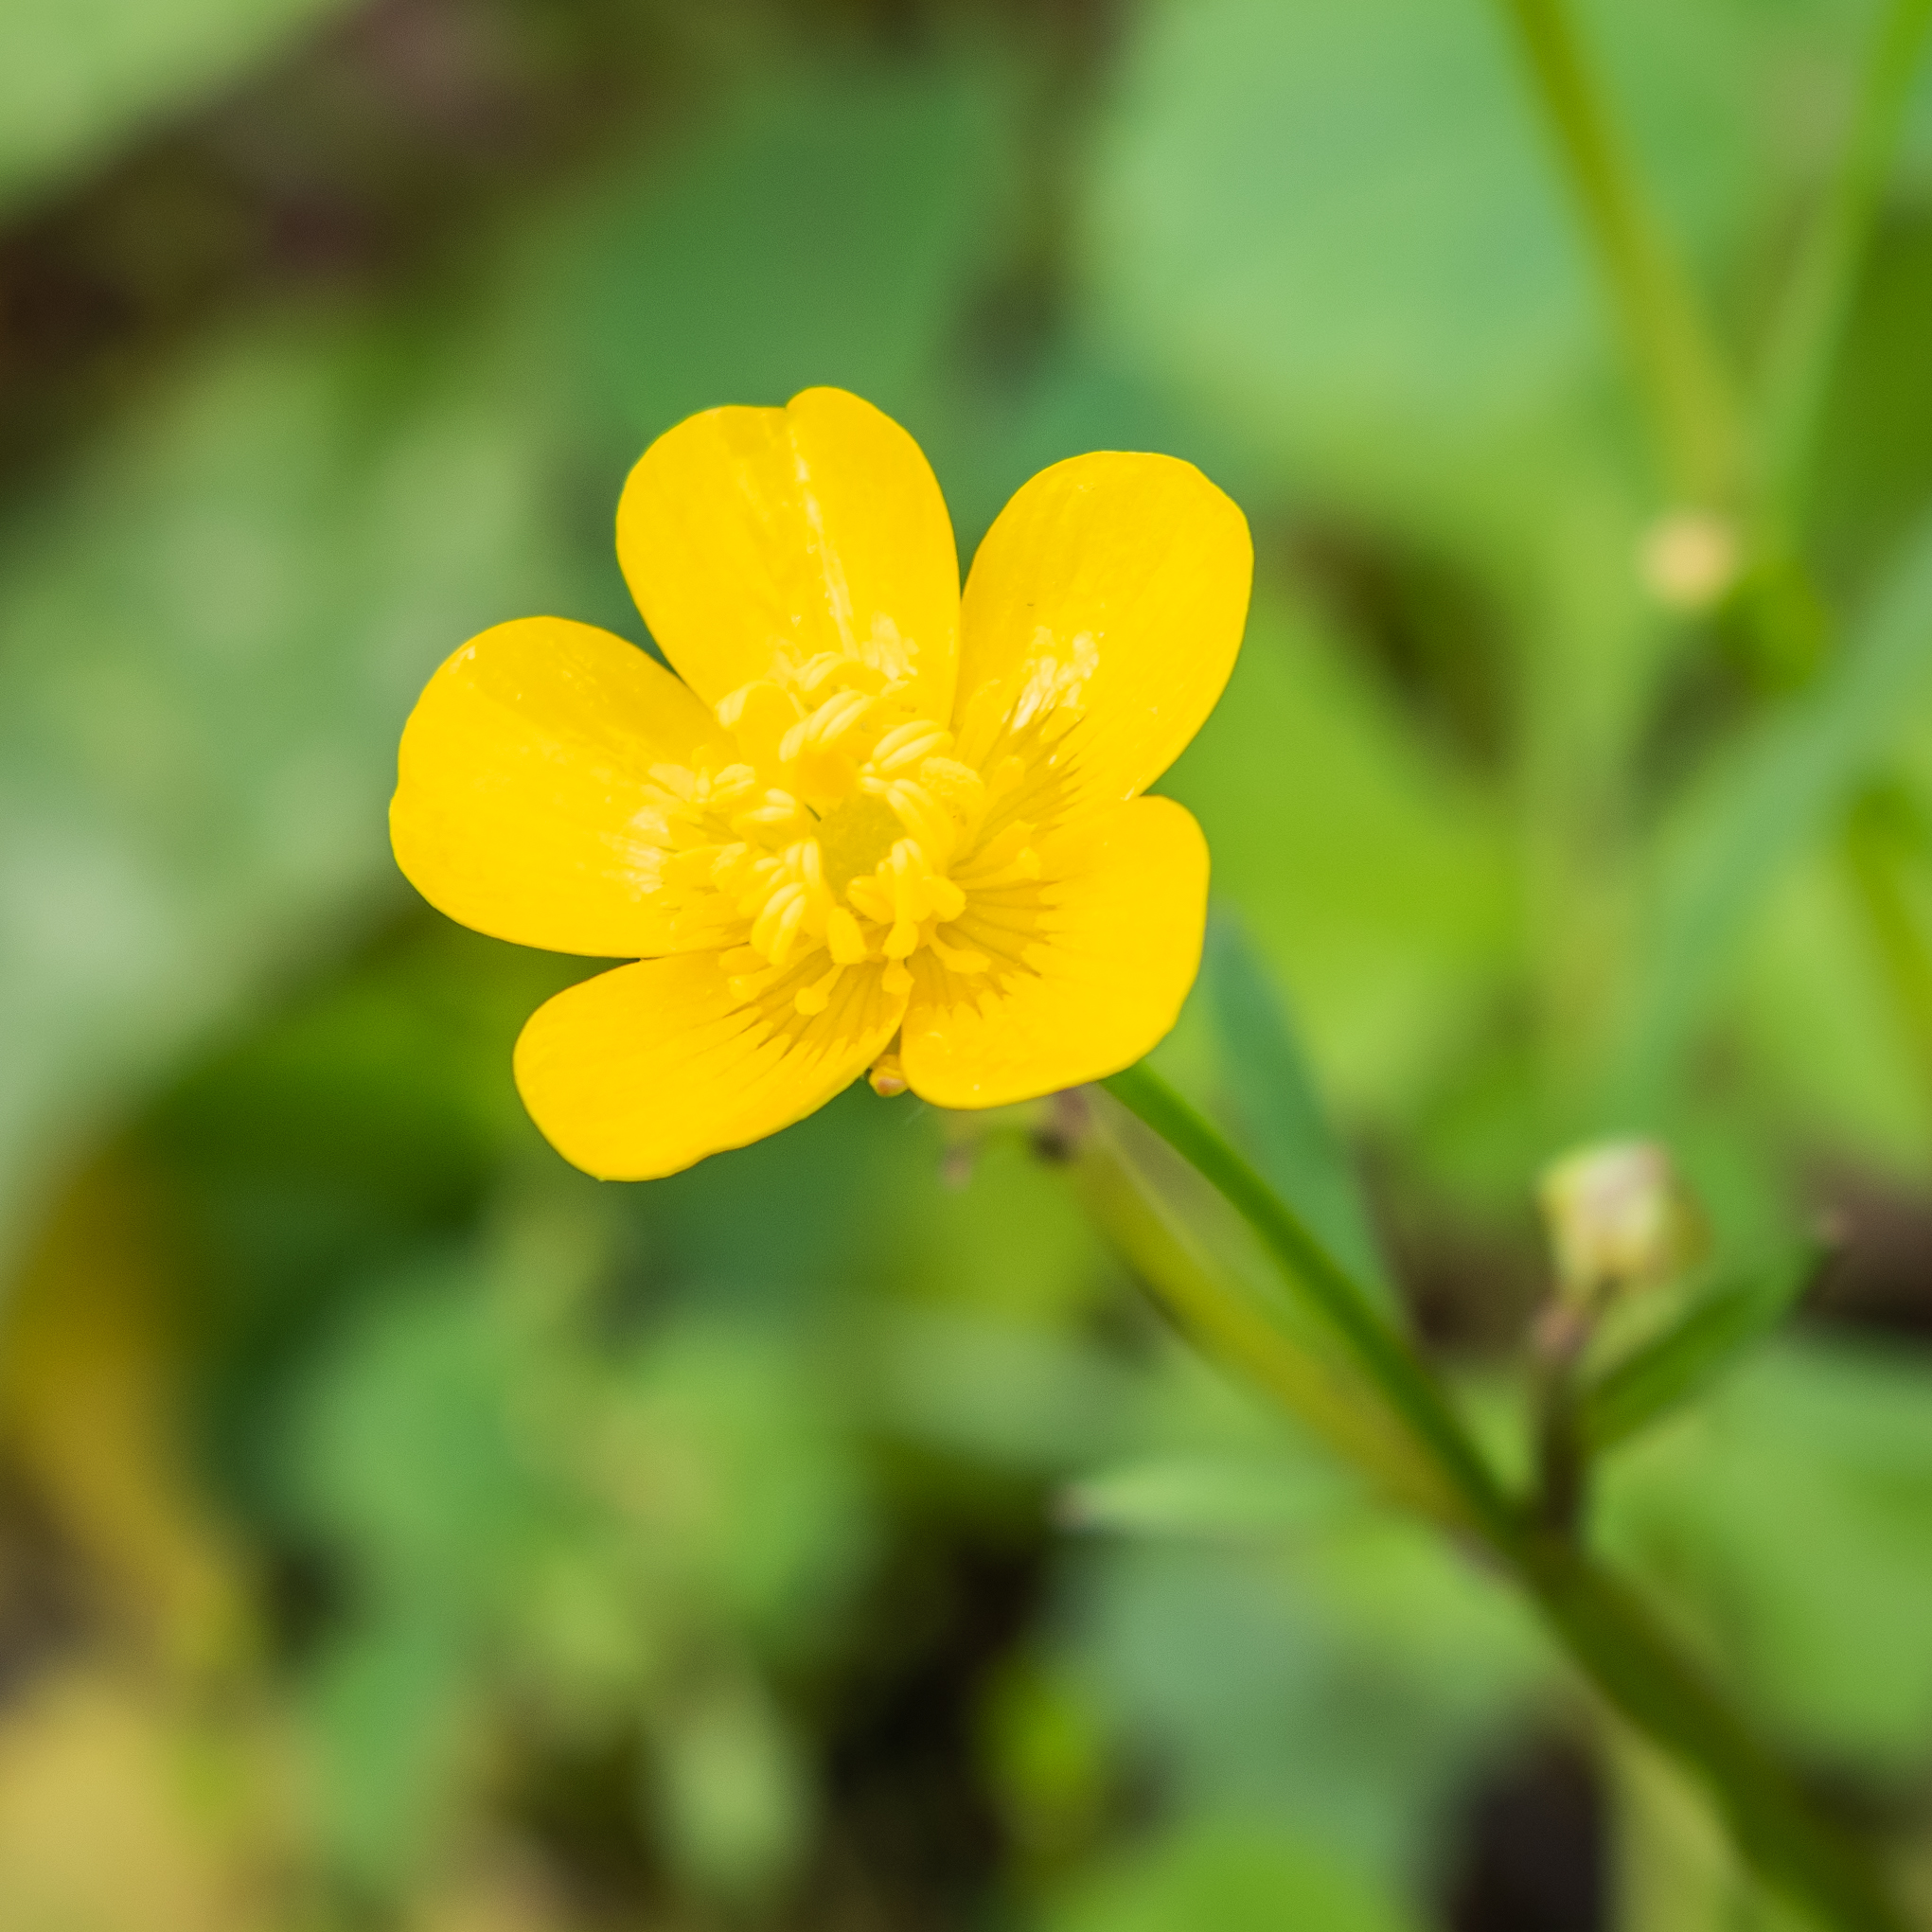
x=1278, y=1113
x=1682, y=1362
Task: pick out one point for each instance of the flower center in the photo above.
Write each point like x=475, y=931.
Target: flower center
x=835, y=830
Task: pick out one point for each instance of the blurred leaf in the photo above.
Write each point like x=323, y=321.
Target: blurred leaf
x=825, y=230
x=1337, y=223
x=384, y=1716
x=725, y=1471
x=1246, y=1497
x=1274, y=1097
x=1829, y=1042
x=1046, y=1756
x=1775, y=794
x=1235, y=1876
x=1005, y=1395
x=728, y=1787
x=214, y=628
x=422, y=1383
x=1376, y=883
x=1789, y=1516
x=1874, y=475
x=1339, y=227
x=1341, y=1689
x=1678, y=1365
x=79, y=77
x=542, y=1529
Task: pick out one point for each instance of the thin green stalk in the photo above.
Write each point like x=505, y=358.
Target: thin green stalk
x=1563, y=1464
x=1607, y=1632
x=1811, y=325
x=1683, y=375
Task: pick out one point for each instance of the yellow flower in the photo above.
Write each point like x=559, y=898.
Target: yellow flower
x=871, y=823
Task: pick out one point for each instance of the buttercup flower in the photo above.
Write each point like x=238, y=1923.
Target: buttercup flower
x=869, y=823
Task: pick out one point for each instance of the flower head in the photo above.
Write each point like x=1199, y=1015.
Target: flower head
x=869, y=823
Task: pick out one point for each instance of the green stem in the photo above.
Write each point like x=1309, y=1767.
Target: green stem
x=1607, y=1632
x=1562, y=1459
x=1811, y=324
x=1641, y=1673
x=1682, y=374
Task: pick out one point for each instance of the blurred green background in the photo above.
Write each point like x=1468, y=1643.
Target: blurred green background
x=400, y=1531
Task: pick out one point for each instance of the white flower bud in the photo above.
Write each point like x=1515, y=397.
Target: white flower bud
x=1617, y=1218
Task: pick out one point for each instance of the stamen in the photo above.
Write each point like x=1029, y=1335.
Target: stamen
x=906, y=744
x=837, y=716
x=773, y=930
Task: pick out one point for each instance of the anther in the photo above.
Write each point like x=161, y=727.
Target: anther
x=844, y=939
x=907, y=744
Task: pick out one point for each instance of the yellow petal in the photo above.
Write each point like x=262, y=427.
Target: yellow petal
x=745, y=533
x=645, y=1070
x=1114, y=586
x=1091, y=964
x=519, y=780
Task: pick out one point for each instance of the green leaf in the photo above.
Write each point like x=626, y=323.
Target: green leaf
x=1369, y=876
x=216, y=625
x=731, y=1794
x=825, y=230
x=1340, y=228
x=1236, y=1877
x=1288, y=205
x=79, y=77
x=1678, y=1365
x=1792, y=1525
x=1775, y=795
x=1277, y=1108
x=1236, y=1498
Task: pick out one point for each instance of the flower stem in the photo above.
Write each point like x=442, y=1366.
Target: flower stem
x=1682, y=375
x=1811, y=324
x=1644, y=1674
x=1606, y=1630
